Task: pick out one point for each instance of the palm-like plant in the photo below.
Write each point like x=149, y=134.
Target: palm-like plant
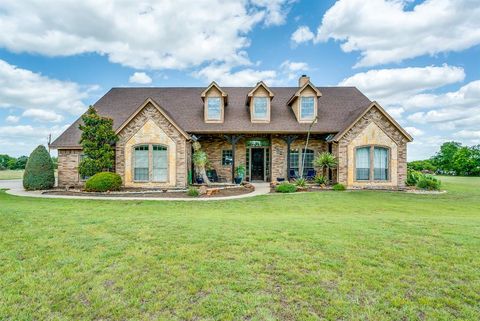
x=326, y=161
x=200, y=160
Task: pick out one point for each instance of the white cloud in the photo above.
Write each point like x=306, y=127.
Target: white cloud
x=150, y=34
x=291, y=70
x=12, y=119
x=22, y=139
x=275, y=10
x=415, y=132
x=385, y=32
x=302, y=34
x=43, y=115
x=223, y=75
x=469, y=133
x=394, y=86
x=24, y=89
x=140, y=78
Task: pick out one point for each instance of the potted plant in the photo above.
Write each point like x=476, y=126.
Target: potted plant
x=239, y=173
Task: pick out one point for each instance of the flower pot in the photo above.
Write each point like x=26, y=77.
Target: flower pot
x=238, y=180
x=199, y=180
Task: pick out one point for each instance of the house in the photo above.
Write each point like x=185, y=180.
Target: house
x=264, y=128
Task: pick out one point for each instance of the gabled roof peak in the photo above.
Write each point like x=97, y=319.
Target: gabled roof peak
x=301, y=89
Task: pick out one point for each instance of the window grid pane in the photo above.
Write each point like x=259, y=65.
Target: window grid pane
x=160, y=163
x=307, y=108
x=260, y=107
x=380, y=162
x=227, y=157
x=140, y=172
x=308, y=163
x=362, y=163
x=213, y=110
x=294, y=161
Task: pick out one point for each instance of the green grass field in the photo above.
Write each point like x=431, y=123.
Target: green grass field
x=360, y=255
x=11, y=174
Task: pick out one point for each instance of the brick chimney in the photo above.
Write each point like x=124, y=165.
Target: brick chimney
x=303, y=80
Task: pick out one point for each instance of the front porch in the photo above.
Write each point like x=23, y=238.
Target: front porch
x=263, y=155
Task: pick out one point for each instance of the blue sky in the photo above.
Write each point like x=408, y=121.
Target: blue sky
x=418, y=59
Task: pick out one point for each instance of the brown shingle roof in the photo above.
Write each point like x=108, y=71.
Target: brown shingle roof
x=337, y=107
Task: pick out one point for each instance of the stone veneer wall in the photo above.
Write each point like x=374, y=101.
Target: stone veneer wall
x=386, y=128
x=213, y=146
x=279, y=152
x=68, y=160
x=149, y=112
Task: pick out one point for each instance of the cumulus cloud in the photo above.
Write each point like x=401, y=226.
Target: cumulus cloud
x=140, y=78
x=292, y=69
x=12, y=119
x=385, y=31
x=394, y=86
x=415, y=132
x=151, y=34
x=224, y=76
x=22, y=139
x=302, y=34
x=24, y=89
x=43, y=115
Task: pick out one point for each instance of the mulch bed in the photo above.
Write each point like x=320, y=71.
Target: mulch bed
x=231, y=191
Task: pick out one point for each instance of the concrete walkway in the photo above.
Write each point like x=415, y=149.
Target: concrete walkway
x=15, y=188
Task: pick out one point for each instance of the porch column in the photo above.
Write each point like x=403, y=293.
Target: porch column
x=233, y=140
x=289, y=139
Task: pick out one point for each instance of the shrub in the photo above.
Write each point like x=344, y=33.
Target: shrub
x=39, y=173
x=338, y=187
x=286, y=187
x=413, y=177
x=104, y=181
x=429, y=182
x=192, y=191
x=321, y=180
x=301, y=182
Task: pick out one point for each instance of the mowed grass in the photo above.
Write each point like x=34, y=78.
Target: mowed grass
x=11, y=174
x=360, y=255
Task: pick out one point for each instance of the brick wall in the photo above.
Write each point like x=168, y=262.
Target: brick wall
x=68, y=160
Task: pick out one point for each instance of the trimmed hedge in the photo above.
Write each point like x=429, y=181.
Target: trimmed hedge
x=429, y=182
x=286, y=187
x=103, y=182
x=39, y=173
x=338, y=187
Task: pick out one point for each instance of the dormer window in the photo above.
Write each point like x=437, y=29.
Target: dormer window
x=214, y=101
x=260, y=108
x=259, y=101
x=304, y=101
x=307, y=107
x=214, y=108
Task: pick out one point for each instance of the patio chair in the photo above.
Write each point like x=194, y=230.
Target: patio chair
x=212, y=175
x=310, y=174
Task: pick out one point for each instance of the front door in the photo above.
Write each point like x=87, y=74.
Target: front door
x=258, y=164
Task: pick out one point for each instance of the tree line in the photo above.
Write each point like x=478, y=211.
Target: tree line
x=13, y=163
x=452, y=159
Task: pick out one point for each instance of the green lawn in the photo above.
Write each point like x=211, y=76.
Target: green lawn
x=11, y=174
x=312, y=256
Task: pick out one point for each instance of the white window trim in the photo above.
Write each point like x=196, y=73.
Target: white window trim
x=314, y=108
x=208, y=118
x=267, y=112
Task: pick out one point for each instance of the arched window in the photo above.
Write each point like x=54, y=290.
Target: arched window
x=150, y=163
x=372, y=163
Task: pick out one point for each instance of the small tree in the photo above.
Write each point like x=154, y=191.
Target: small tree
x=325, y=161
x=200, y=160
x=39, y=173
x=98, y=140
